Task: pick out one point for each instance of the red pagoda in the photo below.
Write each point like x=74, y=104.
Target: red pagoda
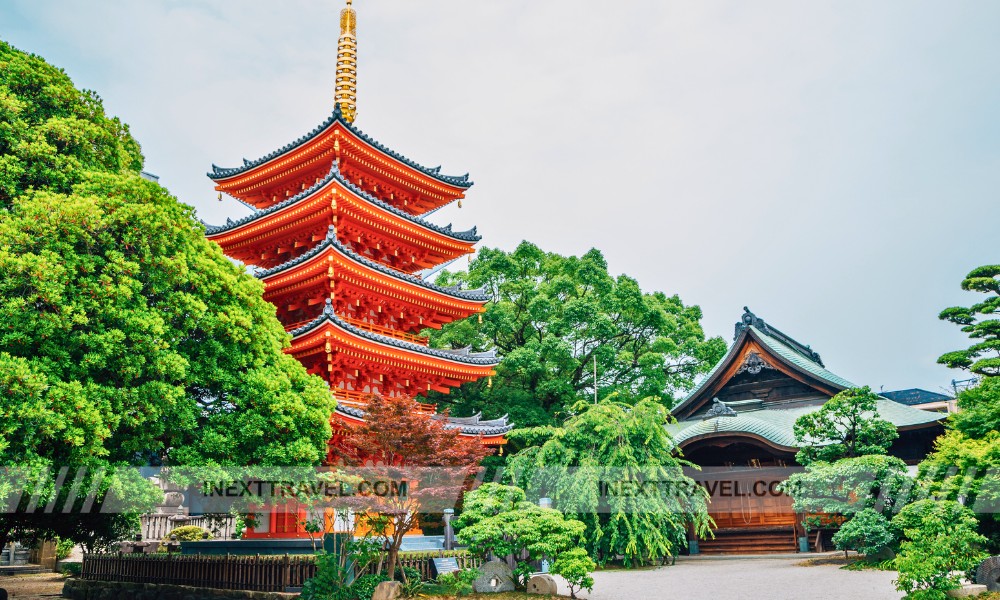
x=339, y=239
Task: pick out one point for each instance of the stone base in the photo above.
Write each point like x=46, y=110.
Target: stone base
x=388, y=590
x=80, y=589
x=967, y=591
x=543, y=584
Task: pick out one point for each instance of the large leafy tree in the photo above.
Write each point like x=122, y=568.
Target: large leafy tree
x=980, y=322
x=554, y=318
x=51, y=134
x=615, y=468
x=846, y=426
x=125, y=336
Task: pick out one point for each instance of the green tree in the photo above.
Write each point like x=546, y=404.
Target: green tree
x=979, y=409
x=497, y=520
x=575, y=566
x=615, y=468
x=847, y=426
x=941, y=548
x=983, y=357
x=551, y=317
x=850, y=486
x=868, y=532
x=126, y=336
x=51, y=134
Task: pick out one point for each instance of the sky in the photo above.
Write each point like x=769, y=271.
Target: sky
x=833, y=165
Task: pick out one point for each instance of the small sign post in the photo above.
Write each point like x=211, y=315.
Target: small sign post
x=444, y=565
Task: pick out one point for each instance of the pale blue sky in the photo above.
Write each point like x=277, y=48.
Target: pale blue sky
x=833, y=165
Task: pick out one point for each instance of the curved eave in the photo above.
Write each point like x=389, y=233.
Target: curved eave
x=356, y=415
x=329, y=319
x=220, y=174
x=212, y=232
x=332, y=245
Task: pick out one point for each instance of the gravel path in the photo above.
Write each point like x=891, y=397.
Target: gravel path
x=742, y=579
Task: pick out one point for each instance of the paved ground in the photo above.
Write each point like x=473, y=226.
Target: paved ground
x=30, y=587
x=743, y=579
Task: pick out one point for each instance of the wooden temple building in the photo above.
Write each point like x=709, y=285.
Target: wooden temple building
x=340, y=239
x=737, y=425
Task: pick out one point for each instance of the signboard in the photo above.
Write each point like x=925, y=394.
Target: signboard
x=444, y=565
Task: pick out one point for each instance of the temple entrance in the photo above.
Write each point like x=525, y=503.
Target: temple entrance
x=751, y=514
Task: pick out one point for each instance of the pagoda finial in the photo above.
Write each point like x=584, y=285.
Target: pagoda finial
x=346, y=95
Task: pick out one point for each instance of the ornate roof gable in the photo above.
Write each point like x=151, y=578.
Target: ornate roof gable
x=759, y=347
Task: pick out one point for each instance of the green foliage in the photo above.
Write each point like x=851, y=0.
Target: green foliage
x=609, y=447
x=498, y=521
x=126, y=336
x=364, y=586
x=51, y=134
x=458, y=583
x=64, y=548
x=188, y=533
x=979, y=322
x=850, y=485
x=847, y=426
x=330, y=580
x=575, y=566
x=941, y=548
x=551, y=316
x=868, y=532
x=979, y=409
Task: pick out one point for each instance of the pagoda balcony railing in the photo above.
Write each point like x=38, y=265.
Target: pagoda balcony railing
x=387, y=331
x=357, y=399
x=379, y=329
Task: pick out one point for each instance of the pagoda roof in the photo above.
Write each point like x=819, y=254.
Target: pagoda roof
x=466, y=425
x=464, y=355
x=470, y=235
x=331, y=241
x=775, y=425
x=220, y=173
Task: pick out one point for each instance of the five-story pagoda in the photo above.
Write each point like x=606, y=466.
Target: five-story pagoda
x=338, y=239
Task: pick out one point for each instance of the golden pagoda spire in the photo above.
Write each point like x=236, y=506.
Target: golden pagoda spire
x=346, y=95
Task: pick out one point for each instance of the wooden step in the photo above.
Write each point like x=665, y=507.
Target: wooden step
x=755, y=540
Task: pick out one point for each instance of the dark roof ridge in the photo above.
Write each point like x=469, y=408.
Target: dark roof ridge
x=331, y=241
x=466, y=236
x=751, y=320
x=435, y=172
x=331, y=316
x=492, y=427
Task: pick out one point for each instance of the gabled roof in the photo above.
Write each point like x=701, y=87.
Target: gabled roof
x=463, y=355
x=470, y=235
x=795, y=355
x=331, y=241
x=219, y=173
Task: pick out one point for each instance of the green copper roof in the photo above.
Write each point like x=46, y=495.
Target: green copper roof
x=775, y=424
x=796, y=355
x=800, y=361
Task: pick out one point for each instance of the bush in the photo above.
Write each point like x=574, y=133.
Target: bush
x=942, y=547
x=188, y=533
x=458, y=583
x=868, y=532
x=364, y=586
x=64, y=548
x=410, y=574
x=575, y=566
